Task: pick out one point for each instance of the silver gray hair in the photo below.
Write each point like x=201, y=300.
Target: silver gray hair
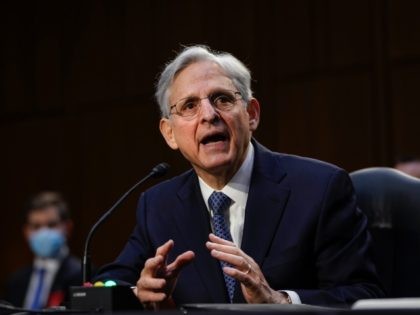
x=233, y=68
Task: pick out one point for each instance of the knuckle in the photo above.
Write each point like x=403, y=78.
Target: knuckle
x=148, y=263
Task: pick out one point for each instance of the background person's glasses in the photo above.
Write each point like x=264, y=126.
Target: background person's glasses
x=189, y=107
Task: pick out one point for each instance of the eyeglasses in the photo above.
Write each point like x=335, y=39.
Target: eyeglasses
x=221, y=100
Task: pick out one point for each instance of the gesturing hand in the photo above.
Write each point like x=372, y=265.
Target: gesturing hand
x=244, y=269
x=157, y=279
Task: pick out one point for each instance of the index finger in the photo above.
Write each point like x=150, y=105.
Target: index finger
x=165, y=248
x=182, y=260
x=216, y=239
x=152, y=265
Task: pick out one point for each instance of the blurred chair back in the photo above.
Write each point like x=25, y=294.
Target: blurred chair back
x=391, y=201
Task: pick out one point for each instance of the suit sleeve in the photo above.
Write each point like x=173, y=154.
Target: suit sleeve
x=344, y=269
x=125, y=270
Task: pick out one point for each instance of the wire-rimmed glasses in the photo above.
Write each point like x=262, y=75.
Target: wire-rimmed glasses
x=189, y=107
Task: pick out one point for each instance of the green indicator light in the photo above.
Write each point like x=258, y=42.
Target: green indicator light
x=110, y=283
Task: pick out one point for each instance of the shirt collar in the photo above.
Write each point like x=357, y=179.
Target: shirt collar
x=51, y=263
x=238, y=187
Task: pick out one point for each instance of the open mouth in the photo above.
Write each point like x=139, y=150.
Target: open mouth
x=214, y=138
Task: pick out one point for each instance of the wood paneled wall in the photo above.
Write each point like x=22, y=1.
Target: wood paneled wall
x=337, y=80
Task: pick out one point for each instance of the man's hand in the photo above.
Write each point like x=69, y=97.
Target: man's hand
x=244, y=269
x=157, y=279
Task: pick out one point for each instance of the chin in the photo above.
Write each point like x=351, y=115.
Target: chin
x=219, y=165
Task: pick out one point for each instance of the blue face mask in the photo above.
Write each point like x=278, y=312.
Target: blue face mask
x=46, y=242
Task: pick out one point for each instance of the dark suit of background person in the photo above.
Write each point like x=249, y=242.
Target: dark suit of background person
x=46, y=229
x=67, y=275
x=302, y=227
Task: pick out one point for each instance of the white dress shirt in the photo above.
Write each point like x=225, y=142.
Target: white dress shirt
x=51, y=266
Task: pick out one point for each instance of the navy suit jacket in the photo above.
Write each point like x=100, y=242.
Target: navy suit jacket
x=69, y=274
x=301, y=226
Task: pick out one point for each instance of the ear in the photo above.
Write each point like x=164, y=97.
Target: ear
x=166, y=130
x=253, y=110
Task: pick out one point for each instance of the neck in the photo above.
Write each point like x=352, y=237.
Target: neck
x=217, y=182
x=219, y=178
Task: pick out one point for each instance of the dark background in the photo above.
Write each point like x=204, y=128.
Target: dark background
x=337, y=80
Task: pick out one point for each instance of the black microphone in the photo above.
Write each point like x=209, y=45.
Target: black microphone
x=158, y=171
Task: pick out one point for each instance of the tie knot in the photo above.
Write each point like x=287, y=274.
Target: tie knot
x=219, y=202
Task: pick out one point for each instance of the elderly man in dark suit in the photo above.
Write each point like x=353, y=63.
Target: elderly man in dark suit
x=244, y=224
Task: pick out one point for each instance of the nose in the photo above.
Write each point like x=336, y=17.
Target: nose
x=207, y=111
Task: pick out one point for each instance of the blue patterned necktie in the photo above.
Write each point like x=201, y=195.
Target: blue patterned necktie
x=219, y=203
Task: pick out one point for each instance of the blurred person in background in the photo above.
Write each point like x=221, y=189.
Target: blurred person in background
x=47, y=227
x=409, y=165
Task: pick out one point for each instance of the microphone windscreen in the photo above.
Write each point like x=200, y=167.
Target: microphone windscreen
x=160, y=169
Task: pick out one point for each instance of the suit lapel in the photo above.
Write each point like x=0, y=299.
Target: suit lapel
x=267, y=199
x=194, y=223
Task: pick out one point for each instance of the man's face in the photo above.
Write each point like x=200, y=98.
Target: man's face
x=44, y=218
x=215, y=142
